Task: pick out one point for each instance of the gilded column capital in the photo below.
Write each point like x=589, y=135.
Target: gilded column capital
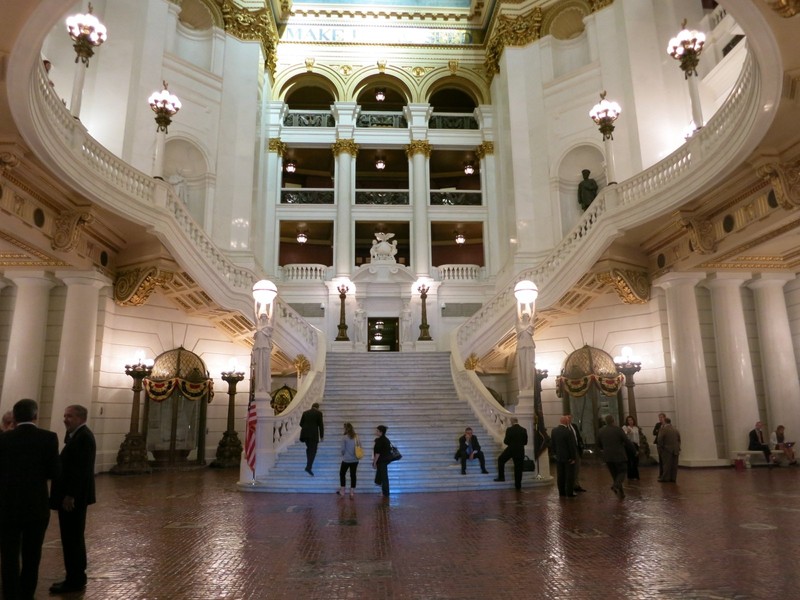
x=518, y=30
x=133, y=287
x=255, y=25
x=632, y=287
x=485, y=149
x=701, y=234
x=418, y=147
x=785, y=181
x=277, y=146
x=349, y=146
x=68, y=227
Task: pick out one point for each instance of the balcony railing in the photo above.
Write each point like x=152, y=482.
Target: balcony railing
x=460, y=272
x=395, y=120
x=309, y=118
x=307, y=196
x=385, y=197
x=459, y=198
x=304, y=272
x=452, y=121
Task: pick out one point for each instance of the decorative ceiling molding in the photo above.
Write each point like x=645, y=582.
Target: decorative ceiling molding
x=27, y=256
x=785, y=8
x=785, y=181
x=512, y=31
x=257, y=25
x=134, y=287
x=632, y=287
x=68, y=227
x=701, y=234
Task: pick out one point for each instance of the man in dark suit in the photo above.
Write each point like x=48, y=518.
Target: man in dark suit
x=566, y=451
x=311, y=432
x=515, y=440
x=669, y=447
x=613, y=442
x=470, y=448
x=756, y=442
x=576, y=433
x=71, y=496
x=28, y=458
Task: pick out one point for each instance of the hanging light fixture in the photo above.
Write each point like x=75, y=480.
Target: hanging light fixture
x=604, y=113
x=291, y=167
x=165, y=105
x=469, y=168
x=87, y=33
x=460, y=239
x=380, y=94
x=302, y=237
x=380, y=164
x=686, y=47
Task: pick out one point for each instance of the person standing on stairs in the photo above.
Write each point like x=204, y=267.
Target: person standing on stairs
x=350, y=446
x=515, y=440
x=381, y=457
x=312, y=432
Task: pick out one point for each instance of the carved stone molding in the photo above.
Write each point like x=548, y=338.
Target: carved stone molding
x=418, y=147
x=701, y=234
x=349, y=146
x=8, y=160
x=485, y=149
x=632, y=287
x=785, y=181
x=133, y=288
x=68, y=227
x=255, y=25
x=277, y=146
x=598, y=4
x=471, y=364
x=301, y=365
x=512, y=31
x=785, y=8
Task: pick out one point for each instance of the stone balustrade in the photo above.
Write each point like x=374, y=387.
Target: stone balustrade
x=460, y=272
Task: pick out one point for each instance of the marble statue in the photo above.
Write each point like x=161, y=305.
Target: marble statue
x=526, y=352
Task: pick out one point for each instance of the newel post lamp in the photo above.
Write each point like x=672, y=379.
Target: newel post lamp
x=165, y=105
x=132, y=454
x=629, y=366
x=87, y=33
x=604, y=113
x=686, y=48
x=424, y=327
x=229, y=450
x=342, y=335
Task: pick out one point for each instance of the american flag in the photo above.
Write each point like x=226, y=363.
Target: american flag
x=250, y=436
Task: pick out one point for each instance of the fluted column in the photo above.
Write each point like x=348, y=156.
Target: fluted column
x=418, y=152
x=75, y=371
x=23, y=374
x=693, y=415
x=345, y=152
x=778, y=362
x=734, y=366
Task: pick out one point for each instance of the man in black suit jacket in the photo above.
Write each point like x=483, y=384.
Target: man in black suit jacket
x=576, y=433
x=756, y=442
x=515, y=440
x=311, y=432
x=71, y=496
x=28, y=458
x=565, y=447
x=614, y=442
x=470, y=448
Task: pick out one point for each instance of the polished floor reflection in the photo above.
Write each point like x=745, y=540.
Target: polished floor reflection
x=716, y=534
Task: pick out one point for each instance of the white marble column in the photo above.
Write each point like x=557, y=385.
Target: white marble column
x=778, y=362
x=23, y=374
x=345, y=152
x=273, y=182
x=734, y=366
x=418, y=152
x=497, y=252
x=75, y=371
x=693, y=415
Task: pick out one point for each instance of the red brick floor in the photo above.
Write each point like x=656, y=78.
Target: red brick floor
x=716, y=534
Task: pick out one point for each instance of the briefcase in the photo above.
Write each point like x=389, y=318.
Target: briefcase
x=528, y=464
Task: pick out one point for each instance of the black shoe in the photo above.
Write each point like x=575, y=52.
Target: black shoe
x=485, y=472
x=309, y=471
x=66, y=587
x=498, y=479
x=572, y=495
x=579, y=489
x=463, y=472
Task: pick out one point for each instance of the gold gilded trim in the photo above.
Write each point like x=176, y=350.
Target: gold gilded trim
x=68, y=227
x=257, y=25
x=785, y=181
x=485, y=149
x=301, y=365
x=471, y=364
x=632, y=287
x=277, y=146
x=349, y=146
x=512, y=31
x=785, y=8
x=701, y=234
x=599, y=4
x=418, y=147
x=134, y=287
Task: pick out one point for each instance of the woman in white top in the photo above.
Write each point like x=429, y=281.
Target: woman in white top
x=777, y=441
x=633, y=432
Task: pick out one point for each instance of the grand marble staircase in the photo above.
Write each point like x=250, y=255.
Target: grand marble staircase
x=413, y=395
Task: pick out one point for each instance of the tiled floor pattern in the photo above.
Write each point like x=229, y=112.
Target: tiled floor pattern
x=716, y=534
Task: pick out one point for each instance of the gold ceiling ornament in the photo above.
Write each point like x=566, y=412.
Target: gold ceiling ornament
x=277, y=146
x=381, y=66
x=134, y=287
x=256, y=25
x=512, y=31
x=8, y=160
x=785, y=8
x=701, y=234
x=485, y=149
x=301, y=365
x=452, y=65
x=68, y=227
x=348, y=146
x=310, y=63
x=471, y=364
x=785, y=181
x=632, y=287
x=418, y=147
x=345, y=70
